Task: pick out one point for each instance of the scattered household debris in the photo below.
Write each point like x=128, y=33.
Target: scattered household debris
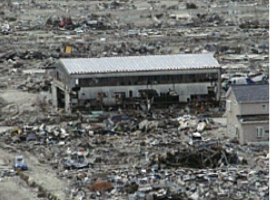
x=180, y=152
x=147, y=160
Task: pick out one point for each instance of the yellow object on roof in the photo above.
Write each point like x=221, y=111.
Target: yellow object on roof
x=68, y=49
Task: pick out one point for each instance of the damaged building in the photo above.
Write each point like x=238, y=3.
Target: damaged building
x=248, y=113
x=82, y=83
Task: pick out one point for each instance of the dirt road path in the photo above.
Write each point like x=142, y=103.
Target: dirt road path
x=42, y=174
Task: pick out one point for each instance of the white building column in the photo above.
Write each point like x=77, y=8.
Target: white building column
x=67, y=102
x=54, y=96
x=218, y=89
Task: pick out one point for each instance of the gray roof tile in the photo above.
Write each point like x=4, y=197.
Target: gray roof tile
x=251, y=93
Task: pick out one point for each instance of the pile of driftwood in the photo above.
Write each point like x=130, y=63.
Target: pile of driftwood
x=202, y=156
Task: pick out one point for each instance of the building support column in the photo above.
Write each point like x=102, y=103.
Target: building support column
x=218, y=97
x=67, y=102
x=54, y=96
x=241, y=137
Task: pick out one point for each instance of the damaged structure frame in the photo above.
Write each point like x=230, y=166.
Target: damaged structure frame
x=128, y=81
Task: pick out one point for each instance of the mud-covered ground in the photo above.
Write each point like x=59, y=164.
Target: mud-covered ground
x=236, y=32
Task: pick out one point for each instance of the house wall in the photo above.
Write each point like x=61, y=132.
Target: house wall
x=254, y=108
x=232, y=121
x=248, y=132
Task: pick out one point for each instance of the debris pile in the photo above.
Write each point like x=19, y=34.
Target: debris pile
x=172, y=153
x=141, y=157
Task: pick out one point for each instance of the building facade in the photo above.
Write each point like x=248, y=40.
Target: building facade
x=84, y=82
x=247, y=109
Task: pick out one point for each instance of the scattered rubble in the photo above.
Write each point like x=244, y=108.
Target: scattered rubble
x=125, y=162
x=177, y=153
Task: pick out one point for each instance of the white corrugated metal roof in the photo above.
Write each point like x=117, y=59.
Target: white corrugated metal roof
x=139, y=63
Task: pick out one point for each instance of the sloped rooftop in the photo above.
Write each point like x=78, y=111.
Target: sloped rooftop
x=139, y=63
x=251, y=93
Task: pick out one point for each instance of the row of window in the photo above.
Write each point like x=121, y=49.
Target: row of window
x=150, y=80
